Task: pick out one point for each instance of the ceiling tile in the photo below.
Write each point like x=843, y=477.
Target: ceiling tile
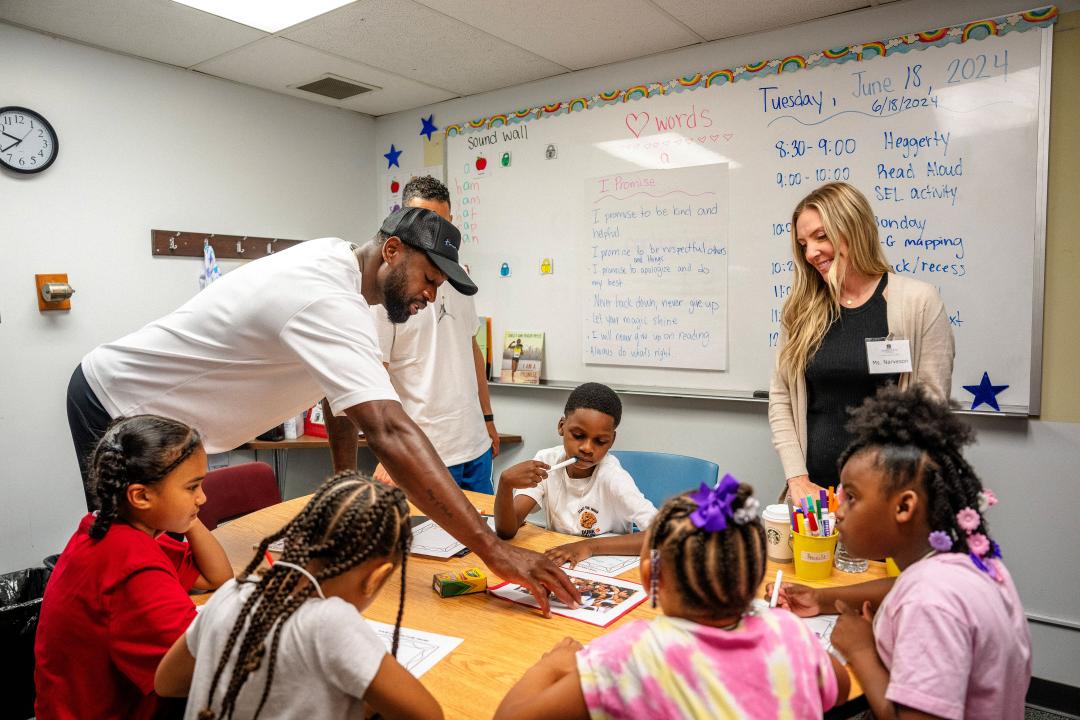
x=715, y=19
x=159, y=30
x=276, y=64
x=573, y=33
x=412, y=40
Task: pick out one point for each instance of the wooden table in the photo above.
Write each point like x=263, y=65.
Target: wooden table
x=307, y=442
x=502, y=639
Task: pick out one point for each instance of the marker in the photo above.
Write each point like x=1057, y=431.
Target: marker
x=564, y=463
x=776, y=588
x=269, y=560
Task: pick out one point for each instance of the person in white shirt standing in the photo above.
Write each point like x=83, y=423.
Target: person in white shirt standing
x=438, y=370
x=270, y=338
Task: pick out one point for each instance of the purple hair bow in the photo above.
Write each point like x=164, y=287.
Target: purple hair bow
x=714, y=505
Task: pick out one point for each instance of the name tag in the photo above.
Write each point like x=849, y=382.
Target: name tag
x=888, y=356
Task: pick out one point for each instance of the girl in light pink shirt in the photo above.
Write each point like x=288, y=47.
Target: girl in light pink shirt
x=948, y=639
x=714, y=653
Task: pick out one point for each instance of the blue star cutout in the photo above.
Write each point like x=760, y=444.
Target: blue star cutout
x=392, y=157
x=984, y=392
x=429, y=126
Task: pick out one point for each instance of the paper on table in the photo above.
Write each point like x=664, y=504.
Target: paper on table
x=418, y=651
x=609, y=565
x=603, y=599
x=822, y=626
x=430, y=540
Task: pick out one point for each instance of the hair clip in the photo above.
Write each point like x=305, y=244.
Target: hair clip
x=747, y=513
x=941, y=541
x=987, y=499
x=714, y=505
x=968, y=519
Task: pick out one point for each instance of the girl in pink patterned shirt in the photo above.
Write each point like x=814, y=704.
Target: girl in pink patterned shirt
x=714, y=653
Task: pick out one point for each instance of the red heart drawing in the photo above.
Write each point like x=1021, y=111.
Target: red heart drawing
x=636, y=122
x=728, y=136
x=714, y=138
x=701, y=139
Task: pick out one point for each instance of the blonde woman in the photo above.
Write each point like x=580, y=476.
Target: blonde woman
x=843, y=294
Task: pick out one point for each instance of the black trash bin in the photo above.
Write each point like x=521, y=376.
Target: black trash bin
x=20, y=606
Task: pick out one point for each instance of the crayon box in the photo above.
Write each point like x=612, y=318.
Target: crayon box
x=449, y=584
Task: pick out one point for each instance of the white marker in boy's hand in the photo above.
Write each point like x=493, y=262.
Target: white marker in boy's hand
x=564, y=463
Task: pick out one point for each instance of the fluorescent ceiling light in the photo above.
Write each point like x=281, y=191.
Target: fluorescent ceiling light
x=268, y=15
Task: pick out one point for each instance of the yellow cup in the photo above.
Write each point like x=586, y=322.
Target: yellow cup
x=814, y=556
x=891, y=569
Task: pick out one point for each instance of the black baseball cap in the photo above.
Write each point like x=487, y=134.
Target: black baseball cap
x=426, y=230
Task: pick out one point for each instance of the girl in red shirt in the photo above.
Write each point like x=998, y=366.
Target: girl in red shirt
x=118, y=597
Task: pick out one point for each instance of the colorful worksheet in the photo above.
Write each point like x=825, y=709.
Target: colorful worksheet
x=603, y=599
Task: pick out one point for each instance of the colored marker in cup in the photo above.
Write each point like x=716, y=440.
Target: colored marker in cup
x=564, y=463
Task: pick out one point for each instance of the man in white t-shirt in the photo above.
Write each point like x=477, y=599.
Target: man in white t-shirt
x=270, y=338
x=438, y=370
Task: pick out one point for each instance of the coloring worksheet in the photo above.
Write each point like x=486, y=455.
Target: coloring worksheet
x=609, y=565
x=822, y=626
x=432, y=541
x=418, y=651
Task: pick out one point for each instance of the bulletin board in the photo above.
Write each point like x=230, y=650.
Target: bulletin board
x=646, y=230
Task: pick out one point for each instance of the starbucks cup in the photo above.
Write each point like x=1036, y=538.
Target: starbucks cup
x=777, y=533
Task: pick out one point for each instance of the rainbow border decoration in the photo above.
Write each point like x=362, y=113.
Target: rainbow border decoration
x=859, y=52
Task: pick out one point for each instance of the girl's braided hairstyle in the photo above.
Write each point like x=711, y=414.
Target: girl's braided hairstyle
x=919, y=441
x=350, y=519
x=138, y=449
x=717, y=573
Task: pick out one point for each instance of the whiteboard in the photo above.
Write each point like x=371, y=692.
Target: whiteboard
x=946, y=139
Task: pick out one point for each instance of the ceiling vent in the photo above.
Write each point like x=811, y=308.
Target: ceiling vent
x=335, y=87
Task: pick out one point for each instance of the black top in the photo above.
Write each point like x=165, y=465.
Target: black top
x=837, y=378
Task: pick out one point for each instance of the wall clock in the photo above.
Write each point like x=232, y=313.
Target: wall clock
x=28, y=142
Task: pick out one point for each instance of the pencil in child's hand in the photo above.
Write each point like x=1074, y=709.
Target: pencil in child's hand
x=564, y=463
x=269, y=560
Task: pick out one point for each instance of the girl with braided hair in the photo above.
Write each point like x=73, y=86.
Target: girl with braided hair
x=293, y=643
x=949, y=638
x=118, y=597
x=714, y=653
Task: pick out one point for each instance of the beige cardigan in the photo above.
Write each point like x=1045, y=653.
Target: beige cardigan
x=915, y=312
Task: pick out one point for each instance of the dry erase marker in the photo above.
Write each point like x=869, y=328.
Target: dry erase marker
x=776, y=588
x=564, y=463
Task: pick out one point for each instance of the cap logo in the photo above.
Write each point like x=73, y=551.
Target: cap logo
x=448, y=241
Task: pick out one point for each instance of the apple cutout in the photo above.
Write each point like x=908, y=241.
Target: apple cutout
x=481, y=163
x=394, y=186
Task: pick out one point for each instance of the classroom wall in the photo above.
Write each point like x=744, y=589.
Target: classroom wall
x=1031, y=464
x=142, y=146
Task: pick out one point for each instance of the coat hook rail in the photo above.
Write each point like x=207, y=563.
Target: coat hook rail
x=182, y=243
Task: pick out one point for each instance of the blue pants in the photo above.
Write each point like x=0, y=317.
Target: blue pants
x=474, y=474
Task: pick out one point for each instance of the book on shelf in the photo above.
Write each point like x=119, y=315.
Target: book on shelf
x=522, y=357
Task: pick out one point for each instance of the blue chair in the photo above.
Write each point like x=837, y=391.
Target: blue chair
x=660, y=476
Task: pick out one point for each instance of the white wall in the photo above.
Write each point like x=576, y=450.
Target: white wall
x=142, y=146
x=1032, y=465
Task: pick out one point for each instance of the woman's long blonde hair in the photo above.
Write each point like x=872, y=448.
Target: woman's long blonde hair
x=814, y=302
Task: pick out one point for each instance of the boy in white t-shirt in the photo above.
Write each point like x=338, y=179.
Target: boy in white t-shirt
x=589, y=498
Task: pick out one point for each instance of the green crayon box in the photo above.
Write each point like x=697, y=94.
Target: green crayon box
x=449, y=584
